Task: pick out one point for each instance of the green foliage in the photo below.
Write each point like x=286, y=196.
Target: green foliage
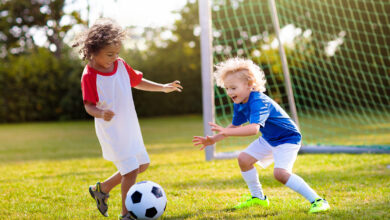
x=19, y=17
x=47, y=167
x=177, y=60
x=38, y=86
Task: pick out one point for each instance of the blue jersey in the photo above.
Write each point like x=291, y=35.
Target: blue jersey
x=275, y=125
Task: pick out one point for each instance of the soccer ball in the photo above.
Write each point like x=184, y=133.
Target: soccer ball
x=146, y=200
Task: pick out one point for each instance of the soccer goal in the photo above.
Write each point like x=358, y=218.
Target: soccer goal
x=327, y=64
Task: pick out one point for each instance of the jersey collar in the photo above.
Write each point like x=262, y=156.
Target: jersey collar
x=104, y=74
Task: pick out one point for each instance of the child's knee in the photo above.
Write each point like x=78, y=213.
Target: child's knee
x=281, y=175
x=245, y=160
x=241, y=160
x=143, y=167
x=130, y=174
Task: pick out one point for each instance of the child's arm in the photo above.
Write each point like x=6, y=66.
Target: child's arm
x=92, y=110
x=247, y=130
x=148, y=85
x=209, y=140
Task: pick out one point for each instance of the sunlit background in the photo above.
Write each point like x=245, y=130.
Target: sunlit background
x=338, y=58
x=40, y=66
x=128, y=13
x=338, y=55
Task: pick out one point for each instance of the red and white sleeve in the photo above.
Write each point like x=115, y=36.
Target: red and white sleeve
x=88, y=87
x=135, y=76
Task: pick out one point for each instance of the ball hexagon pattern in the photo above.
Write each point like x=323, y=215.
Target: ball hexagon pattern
x=136, y=197
x=146, y=200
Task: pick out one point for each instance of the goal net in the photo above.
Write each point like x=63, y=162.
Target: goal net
x=338, y=59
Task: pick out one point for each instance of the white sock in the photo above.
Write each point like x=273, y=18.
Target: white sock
x=299, y=185
x=252, y=180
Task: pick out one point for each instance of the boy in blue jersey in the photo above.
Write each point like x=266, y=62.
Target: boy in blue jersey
x=244, y=82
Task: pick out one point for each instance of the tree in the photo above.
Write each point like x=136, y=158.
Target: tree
x=167, y=60
x=19, y=19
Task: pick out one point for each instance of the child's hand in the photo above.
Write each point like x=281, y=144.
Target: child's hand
x=205, y=141
x=107, y=115
x=173, y=86
x=217, y=128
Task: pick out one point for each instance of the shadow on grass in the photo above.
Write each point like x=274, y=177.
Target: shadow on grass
x=380, y=208
x=49, y=177
x=79, y=151
x=223, y=183
x=73, y=140
x=225, y=213
x=60, y=150
x=169, y=148
x=50, y=154
x=182, y=216
x=345, y=211
x=363, y=175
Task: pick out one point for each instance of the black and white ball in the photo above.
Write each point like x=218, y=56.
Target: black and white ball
x=146, y=200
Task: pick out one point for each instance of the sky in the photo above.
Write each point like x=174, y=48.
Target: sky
x=143, y=13
x=150, y=13
x=140, y=13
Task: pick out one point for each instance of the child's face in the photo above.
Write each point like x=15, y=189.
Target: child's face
x=105, y=58
x=238, y=89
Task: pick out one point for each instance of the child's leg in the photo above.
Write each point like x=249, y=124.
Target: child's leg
x=129, y=170
x=285, y=156
x=249, y=173
x=127, y=181
x=143, y=167
x=100, y=192
x=111, y=182
x=116, y=179
x=295, y=183
x=258, y=150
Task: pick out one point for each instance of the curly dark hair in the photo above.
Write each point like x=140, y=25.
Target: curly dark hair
x=104, y=32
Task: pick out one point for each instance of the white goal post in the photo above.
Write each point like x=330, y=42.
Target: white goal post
x=207, y=78
x=208, y=96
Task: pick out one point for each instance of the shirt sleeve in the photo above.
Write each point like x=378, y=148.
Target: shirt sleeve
x=238, y=118
x=88, y=87
x=135, y=76
x=259, y=112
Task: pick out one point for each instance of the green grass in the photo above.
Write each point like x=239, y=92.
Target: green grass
x=46, y=169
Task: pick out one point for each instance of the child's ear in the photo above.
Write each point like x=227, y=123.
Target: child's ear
x=250, y=84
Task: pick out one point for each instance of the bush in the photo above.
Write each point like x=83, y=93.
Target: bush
x=38, y=86
x=164, y=66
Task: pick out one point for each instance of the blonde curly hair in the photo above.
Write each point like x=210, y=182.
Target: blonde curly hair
x=246, y=69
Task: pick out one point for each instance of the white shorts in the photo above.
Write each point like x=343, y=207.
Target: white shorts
x=283, y=155
x=132, y=163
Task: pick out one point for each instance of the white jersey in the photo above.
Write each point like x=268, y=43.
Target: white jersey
x=121, y=137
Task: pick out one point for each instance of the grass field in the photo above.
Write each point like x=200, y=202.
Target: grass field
x=46, y=169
